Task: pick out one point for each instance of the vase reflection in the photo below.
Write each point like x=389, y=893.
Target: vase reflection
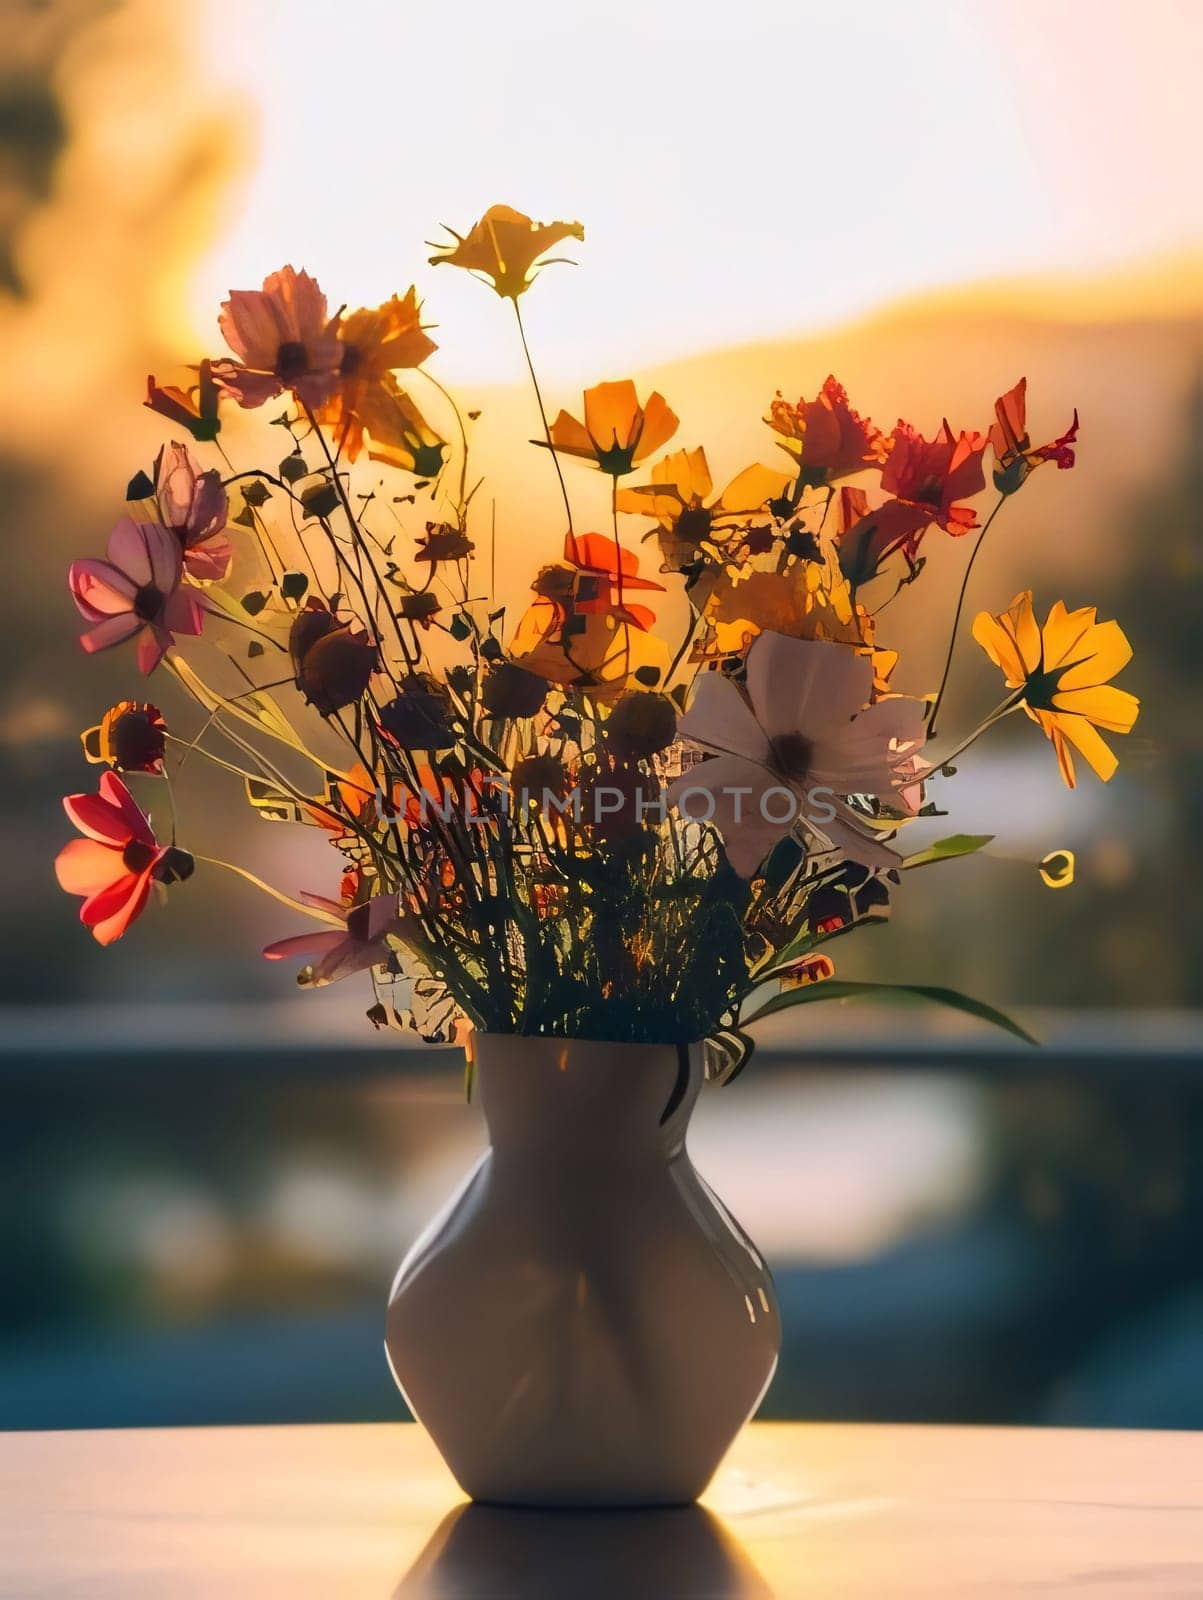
x=508, y=1553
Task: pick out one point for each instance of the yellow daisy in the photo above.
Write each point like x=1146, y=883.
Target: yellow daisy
x=1063, y=671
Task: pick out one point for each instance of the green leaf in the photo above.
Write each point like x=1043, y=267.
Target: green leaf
x=838, y=989
x=293, y=585
x=139, y=487
x=957, y=844
x=256, y=493
x=254, y=602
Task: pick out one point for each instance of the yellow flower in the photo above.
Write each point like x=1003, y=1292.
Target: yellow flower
x=617, y=431
x=504, y=247
x=1062, y=672
x=679, y=499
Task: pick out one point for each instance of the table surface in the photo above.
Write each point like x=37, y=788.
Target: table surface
x=370, y=1513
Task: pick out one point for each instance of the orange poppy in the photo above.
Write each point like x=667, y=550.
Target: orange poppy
x=374, y=343
x=617, y=431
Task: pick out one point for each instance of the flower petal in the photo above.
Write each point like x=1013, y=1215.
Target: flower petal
x=99, y=589
x=719, y=718
x=86, y=866
x=730, y=792
x=806, y=686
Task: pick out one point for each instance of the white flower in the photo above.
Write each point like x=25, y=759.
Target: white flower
x=791, y=749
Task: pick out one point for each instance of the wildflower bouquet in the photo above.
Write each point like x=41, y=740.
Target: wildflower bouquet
x=570, y=823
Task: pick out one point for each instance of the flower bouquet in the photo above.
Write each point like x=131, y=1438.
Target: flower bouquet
x=592, y=846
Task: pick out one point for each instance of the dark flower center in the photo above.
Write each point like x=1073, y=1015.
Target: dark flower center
x=930, y=492
x=792, y=755
x=148, y=602
x=351, y=361
x=136, y=742
x=292, y=360
x=693, y=525
x=137, y=855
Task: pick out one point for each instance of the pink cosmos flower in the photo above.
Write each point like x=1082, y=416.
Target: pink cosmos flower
x=283, y=339
x=136, y=592
x=794, y=746
x=194, y=505
x=117, y=860
x=360, y=943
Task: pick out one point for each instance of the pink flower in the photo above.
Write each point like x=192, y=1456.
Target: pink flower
x=136, y=591
x=793, y=748
x=361, y=942
x=117, y=860
x=283, y=339
x=194, y=505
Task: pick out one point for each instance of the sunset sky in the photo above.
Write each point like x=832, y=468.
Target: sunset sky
x=742, y=170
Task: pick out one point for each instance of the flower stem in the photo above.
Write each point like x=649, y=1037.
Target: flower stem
x=956, y=619
x=543, y=413
x=999, y=712
x=276, y=894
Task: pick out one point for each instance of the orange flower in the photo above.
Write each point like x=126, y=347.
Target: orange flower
x=825, y=435
x=195, y=409
x=606, y=571
x=375, y=343
x=580, y=631
x=1062, y=672
x=679, y=499
x=504, y=248
x=1014, y=455
x=617, y=431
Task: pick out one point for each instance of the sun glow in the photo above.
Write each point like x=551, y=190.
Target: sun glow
x=845, y=155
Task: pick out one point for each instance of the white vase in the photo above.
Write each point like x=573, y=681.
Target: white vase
x=584, y=1324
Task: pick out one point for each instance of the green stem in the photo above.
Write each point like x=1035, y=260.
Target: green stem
x=956, y=620
x=543, y=413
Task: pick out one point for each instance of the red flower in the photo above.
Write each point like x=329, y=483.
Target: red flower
x=1014, y=455
x=827, y=437
x=283, y=339
x=606, y=572
x=136, y=592
x=117, y=860
x=930, y=475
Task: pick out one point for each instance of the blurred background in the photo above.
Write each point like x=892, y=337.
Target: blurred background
x=206, y=1178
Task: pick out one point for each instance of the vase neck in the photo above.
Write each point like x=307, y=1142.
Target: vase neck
x=573, y=1099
